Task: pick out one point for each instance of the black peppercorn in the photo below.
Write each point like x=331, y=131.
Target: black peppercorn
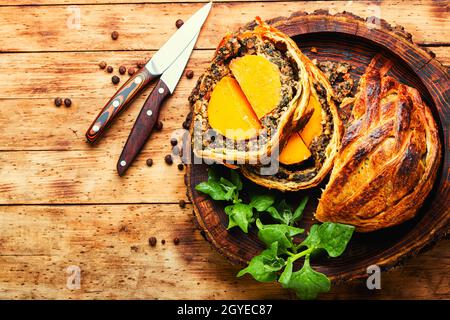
x=114, y=35
x=131, y=71
x=110, y=69
x=67, y=102
x=163, y=241
x=189, y=74
x=186, y=125
x=102, y=65
x=152, y=241
x=122, y=69
x=159, y=125
x=176, y=241
x=140, y=64
x=179, y=23
x=58, y=102
x=180, y=166
x=115, y=79
x=182, y=203
x=168, y=159
x=149, y=162
x=173, y=142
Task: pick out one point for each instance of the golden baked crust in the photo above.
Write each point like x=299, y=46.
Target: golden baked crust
x=388, y=159
x=277, y=124
x=293, y=179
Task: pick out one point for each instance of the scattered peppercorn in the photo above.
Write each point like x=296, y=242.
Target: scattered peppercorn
x=189, y=74
x=149, y=162
x=58, y=102
x=179, y=23
x=67, y=102
x=114, y=35
x=182, y=203
x=168, y=159
x=115, y=79
x=163, y=241
x=176, y=241
x=186, y=125
x=131, y=71
x=140, y=64
x=180, y=166
x=173, y=142
x=102, y=65
x=152, y=241
x=110, y=69
x=122, y=69
x=159, y=125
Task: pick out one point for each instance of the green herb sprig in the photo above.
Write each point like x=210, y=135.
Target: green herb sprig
x=276, y=263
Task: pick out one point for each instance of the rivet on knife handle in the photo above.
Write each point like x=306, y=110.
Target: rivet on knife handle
x=117, y=103
x=143, y=126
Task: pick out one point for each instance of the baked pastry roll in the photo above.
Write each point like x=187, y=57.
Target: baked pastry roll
x=388, y=159
x=250, y=98
x=309, y=154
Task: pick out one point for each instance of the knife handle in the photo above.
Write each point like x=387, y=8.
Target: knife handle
x=117, y=103
x=143, y=126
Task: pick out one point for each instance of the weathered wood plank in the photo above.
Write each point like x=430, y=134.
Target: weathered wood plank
x=88, y=176
x=110, y=245
x=83, y=2
x=76, y=74
x=148, y=26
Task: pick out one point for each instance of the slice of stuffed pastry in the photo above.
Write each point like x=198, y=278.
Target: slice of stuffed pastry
x=309, y=153
x=389, y=156
x=250, y=98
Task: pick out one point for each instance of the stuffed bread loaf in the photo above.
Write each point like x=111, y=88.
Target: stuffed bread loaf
x=388, y=159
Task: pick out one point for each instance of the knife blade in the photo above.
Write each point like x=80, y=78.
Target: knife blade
x=148, y=116
x=160, y=61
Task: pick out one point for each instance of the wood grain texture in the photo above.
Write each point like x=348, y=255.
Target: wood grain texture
x=46, y=161
x=148, y=26
x=110, y=245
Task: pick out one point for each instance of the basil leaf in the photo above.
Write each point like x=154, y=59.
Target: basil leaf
x=333, y=237
x=229, y=188
x=286, y=275
x=262, y=202
x=307, y=283
x=285, y=211
x=280, y=233
x=274, y=213
x=236, y=180
x=264, y=266
x=213, y=189
x=299, y=211
x=240, y=215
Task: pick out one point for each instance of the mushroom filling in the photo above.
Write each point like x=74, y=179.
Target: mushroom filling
x=236, y=47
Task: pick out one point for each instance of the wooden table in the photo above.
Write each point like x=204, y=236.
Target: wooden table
x=62, y=203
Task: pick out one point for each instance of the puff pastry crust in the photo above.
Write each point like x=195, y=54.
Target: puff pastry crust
x=389, y=156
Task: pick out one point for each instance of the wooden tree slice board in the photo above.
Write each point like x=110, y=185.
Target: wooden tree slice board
x=347, y=38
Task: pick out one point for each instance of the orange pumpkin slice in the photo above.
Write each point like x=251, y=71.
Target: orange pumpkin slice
x=314, y=126
x=260, y=80
x=230, y=113
x=295, y=150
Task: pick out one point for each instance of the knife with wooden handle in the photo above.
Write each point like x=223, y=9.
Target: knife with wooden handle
x=150, y=111
x=118, y=102
x=142, y=128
